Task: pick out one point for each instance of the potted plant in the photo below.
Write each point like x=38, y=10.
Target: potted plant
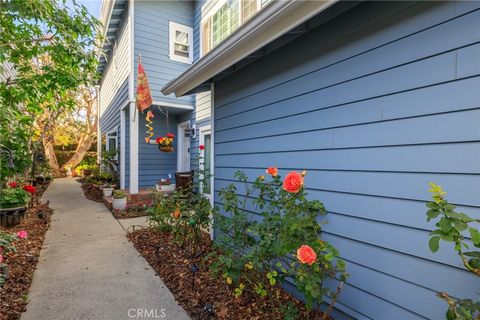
x=165, y=143
x=13, y=203
x=119, y=200
x=107, y=190
x=165, y=185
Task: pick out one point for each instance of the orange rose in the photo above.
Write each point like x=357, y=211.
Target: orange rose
x=293, y=182
x=176, y=213
x=306, y=255
x=273, y=171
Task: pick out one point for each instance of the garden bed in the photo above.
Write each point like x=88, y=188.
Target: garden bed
x=92, y=192
x=201, y=295
x=23, y=262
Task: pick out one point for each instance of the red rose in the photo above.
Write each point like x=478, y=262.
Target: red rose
x=13, y=184
x=306, y=255
x=30, y=189
x=201, y=147
x=170, y=135
x=273, y=171
x=293, y=182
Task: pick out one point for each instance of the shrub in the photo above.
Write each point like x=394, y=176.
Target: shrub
x=118, y=194
x=258, y=253
x=13, y=197
x=7, y=245
x=452, y=227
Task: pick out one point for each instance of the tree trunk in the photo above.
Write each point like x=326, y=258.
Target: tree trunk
x=82, y=148
x=52, y=157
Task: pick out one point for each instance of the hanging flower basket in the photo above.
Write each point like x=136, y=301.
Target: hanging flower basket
x=166, y=148
x=165, y=144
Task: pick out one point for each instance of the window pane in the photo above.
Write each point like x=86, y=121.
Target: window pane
x=249, y=8
x=181, y=37
x=208, y=161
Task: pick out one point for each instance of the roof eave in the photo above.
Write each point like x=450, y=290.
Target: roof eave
x=269, y=24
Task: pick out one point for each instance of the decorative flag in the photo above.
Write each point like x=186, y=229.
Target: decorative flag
x=149, y=131
x=144, y=97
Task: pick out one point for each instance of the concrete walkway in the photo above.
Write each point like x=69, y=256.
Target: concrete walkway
x=89, y=270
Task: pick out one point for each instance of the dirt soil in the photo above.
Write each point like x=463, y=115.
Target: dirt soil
x=201, y=295
x=23, y=262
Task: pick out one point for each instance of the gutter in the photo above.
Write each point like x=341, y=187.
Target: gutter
x=269, y=24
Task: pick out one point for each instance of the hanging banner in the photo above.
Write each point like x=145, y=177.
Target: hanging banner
x=144, y=96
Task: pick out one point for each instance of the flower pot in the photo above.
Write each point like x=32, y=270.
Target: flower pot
x=165, y=187
x=11, y=216
x=119, y=204
x=107, y=192
x=166, y=148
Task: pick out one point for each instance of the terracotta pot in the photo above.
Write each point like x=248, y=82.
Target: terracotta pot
x=166, y=148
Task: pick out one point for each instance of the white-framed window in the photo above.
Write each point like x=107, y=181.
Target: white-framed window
x=224, y=18
x=111, y=142
x=180, y=42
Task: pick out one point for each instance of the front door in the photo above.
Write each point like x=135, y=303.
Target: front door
x=183, y=148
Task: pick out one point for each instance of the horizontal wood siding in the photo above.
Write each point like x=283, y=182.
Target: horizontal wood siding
x=374, y=104
x=152, y=163
x=110, y=119
x=152, y=42
x=117, y=69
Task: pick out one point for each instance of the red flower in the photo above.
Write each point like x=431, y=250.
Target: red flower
x=201, y=147
x=13, y=184
x=170, y=135
x=293, y=182
x=306, y=255
x=273, y=171
x=159, y=140
x=30, y=189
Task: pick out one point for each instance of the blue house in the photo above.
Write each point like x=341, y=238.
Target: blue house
x=373, y=99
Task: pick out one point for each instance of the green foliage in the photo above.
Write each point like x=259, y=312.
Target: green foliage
x=13, y=197
x=186, y=213
x=47, y=44
x=6, y=246
x=453, y=227
x=118, y=194
x=63, y=156
x=258, y=254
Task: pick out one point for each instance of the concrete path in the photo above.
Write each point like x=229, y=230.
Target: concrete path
x=89, y=270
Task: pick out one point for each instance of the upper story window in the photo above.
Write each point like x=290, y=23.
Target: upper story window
x=224, y=18
x=181, y=42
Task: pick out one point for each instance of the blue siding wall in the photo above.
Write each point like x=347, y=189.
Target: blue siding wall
x=152, y=163
x=110, y=118
x=374, y=104
x=152, y=42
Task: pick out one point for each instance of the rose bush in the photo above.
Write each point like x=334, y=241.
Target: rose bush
x=270, y=232
x=7, y=241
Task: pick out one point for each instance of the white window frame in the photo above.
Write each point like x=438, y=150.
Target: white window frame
x=107, y=141
x=211, y=11
x=172, y=27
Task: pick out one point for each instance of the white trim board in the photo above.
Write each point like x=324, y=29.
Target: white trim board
x=180, y=140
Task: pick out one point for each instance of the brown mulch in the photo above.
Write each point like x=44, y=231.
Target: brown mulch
x=92, y=192
x=23, y=262
x=201, y=295
x=127, y=214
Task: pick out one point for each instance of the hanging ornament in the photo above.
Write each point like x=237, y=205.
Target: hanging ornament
x=149, y=131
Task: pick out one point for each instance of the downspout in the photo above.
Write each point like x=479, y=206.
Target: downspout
x=133, y=118
x=99, y=137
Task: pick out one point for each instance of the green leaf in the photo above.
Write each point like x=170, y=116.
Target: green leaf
x=460, y=226
x=432, y=214
x=434, y=243
x=473, y=254
x=475, y=235
x=474, y=263
x=445, y=225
